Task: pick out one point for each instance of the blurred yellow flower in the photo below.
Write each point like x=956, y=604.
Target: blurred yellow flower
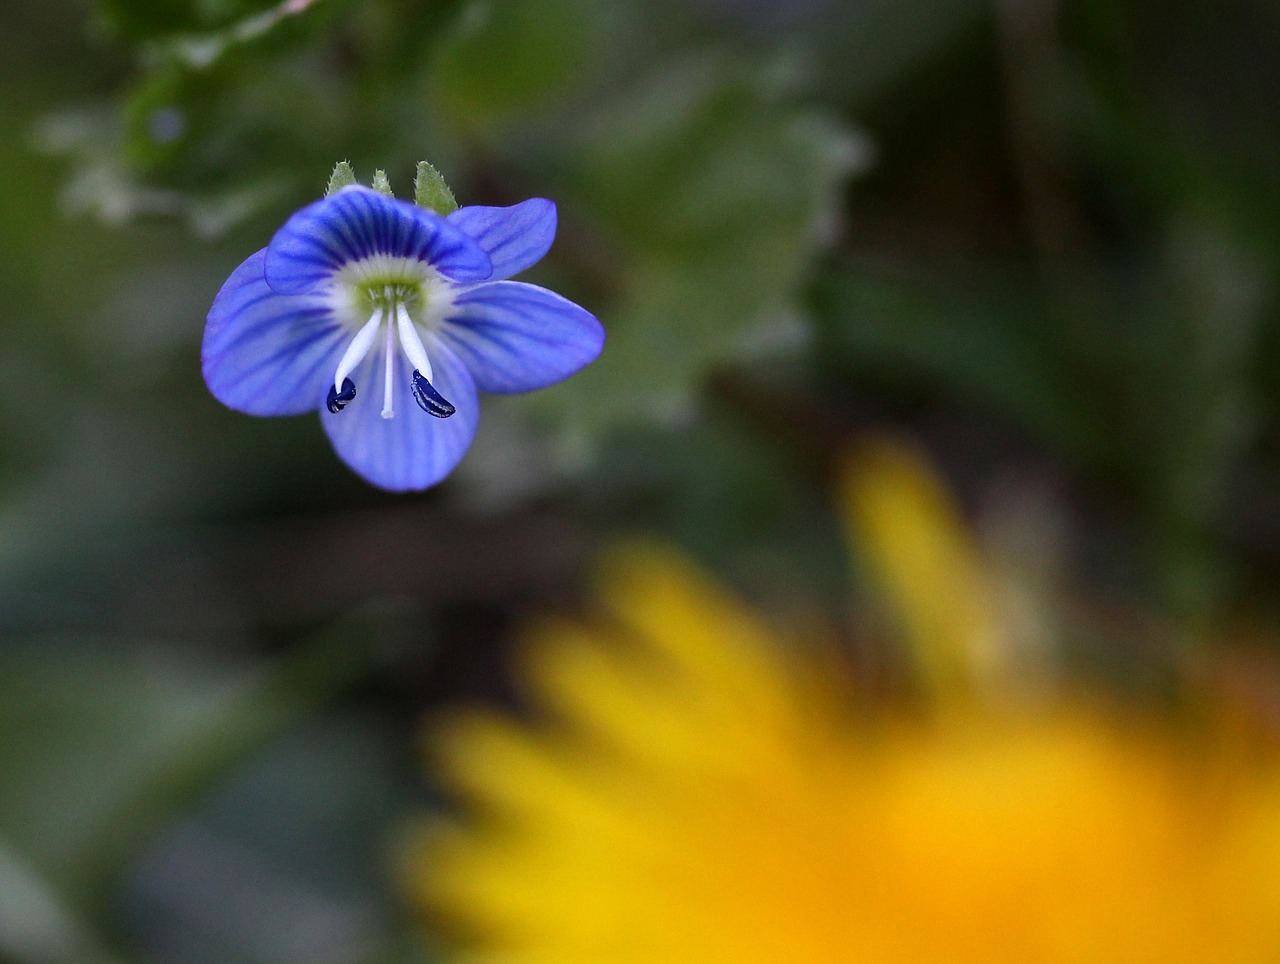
x=696, y=798
x=699, y=788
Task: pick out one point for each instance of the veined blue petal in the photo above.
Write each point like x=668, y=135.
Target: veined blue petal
x=265, y=353
x=357, y=223
x=515, y=238
x=413, y=450
x=515, y=337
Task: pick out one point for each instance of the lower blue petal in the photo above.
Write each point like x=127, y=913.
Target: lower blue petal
x=413, y=450
x=515, y=337
x=265, y=353
x=515, y=237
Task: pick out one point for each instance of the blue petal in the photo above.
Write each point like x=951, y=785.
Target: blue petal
x=515, y=337
x=265, y=353
x=355, y=223
x=515, y=238
x=412, y=450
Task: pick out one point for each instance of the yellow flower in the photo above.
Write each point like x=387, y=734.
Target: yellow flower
x=695, y=791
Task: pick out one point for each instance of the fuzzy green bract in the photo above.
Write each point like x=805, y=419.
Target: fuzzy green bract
x=388, y=319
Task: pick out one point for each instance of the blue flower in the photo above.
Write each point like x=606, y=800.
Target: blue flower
x=387, y=318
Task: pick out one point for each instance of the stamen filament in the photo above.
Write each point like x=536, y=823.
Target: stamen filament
x=358, y=348
x=410, y=341
x=388, y=382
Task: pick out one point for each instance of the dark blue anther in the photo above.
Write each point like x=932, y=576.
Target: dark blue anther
x=338, y=399
x=428, y=399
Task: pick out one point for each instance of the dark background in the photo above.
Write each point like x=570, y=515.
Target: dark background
x=1038, y=240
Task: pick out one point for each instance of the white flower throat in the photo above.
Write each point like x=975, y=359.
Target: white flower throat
x=389, y=303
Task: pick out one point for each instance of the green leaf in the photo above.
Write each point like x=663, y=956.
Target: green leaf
x=199, y=51
x=35, y=923
x=995, y=352
x=103, y=740
x=711, y=187
x=513, y=56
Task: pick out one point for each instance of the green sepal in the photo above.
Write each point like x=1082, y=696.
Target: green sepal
x=431, y=192
x=342, y=176
x=381, y=184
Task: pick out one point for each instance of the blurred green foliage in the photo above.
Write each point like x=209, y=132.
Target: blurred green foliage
x=1042, y=237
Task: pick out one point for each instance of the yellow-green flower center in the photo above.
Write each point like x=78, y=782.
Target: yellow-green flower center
x=392, y=300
